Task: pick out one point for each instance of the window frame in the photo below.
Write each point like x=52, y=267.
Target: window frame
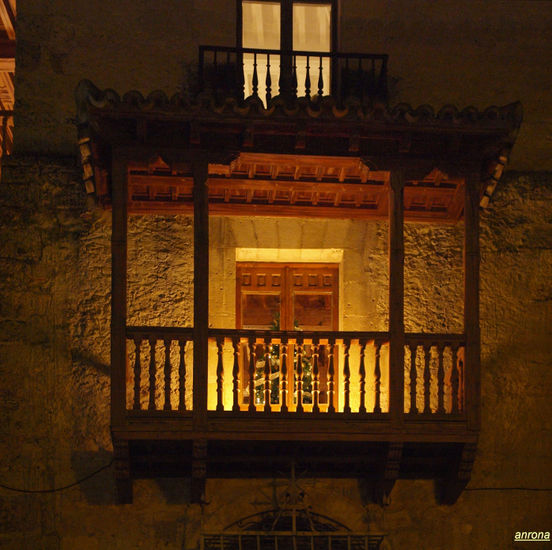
x=286, y=22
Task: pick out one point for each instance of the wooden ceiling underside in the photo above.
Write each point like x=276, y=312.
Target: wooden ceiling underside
x=292, y=185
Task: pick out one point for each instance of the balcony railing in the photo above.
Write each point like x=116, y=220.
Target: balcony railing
x=255, y=372
x=243, y=72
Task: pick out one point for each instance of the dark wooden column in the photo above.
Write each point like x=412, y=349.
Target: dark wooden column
x=286, y=44
x=118, y=288
x=471, y=301
x=123, y=480
x=396, y=295
x=201, y=293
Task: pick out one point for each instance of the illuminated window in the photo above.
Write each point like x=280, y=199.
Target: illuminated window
x=287, y=25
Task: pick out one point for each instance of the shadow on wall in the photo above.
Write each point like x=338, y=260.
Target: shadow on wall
x=175, y=490
x=99, y=490
x=87, y=359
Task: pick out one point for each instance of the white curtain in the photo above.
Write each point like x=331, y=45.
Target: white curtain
x=311, y=32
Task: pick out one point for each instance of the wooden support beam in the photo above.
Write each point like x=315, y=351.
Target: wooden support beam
x=7, y=63
x=383, y=486
x=118, y=288
x=396, y=296
x=199, y=471
x=449, y=489
x=201, y=293
x=123, y=480
x=471, y=301
x=7, y=16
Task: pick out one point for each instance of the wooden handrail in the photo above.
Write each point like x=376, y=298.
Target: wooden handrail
x=334, y=55
x=294, y=334
x=160, y=332
x=427, y=337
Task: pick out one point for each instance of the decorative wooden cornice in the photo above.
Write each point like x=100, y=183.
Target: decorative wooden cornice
x=434, y=148
x=7, y=72
x=7, y=18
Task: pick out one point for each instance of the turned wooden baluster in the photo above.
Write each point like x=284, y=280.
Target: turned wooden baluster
x=236, y=374
x=377, y=376
x=167, y=374
x=251, y=407
x=320, y=79
x=360, y=80
x=255, y=82
x=427, y=377
x=283, y=375
x=347, y=377
x=268, y=80
x=152, y=342
x=227, y=88
x=215, y=71
x=267, y=370
x=137, y=372
x=182, y=375
x=220, y=373
x=315, y=376
x=299, y=374
x=440, y=380
x=294, y=77
x=240, y=76
x=307, y=79
x=454, y=378
x=331, y=375
x=362, y=376
x=461, y=373
x=413, y=378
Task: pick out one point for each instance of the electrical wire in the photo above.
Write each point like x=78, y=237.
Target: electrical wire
x=57, y=489
x=508, y=489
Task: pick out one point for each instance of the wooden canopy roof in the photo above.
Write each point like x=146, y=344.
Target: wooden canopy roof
x=304, y=158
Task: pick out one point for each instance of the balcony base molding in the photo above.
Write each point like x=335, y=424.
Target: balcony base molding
x=378, y=463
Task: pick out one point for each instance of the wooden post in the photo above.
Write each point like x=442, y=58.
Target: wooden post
x=201, y=293
x=396, y=295
x=118, y=289
x=471, y=301
x=286, y=44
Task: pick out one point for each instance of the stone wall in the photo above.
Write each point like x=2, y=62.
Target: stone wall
x=54, y=365
x=481, y=52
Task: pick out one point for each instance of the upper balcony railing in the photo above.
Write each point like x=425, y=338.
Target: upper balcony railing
x=244, y=72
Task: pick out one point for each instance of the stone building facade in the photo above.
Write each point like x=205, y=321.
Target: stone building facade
x=55, y=307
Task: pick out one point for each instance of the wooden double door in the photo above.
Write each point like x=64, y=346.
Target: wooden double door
x=292, y=297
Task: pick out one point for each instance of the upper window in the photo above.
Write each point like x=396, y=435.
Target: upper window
x=287, y=25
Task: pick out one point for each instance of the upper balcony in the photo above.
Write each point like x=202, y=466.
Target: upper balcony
x=243, y=73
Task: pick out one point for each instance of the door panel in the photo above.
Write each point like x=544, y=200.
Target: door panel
x=287, y=297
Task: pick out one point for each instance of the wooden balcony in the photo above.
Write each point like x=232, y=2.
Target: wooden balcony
x=204, y=402
x=336, y=421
